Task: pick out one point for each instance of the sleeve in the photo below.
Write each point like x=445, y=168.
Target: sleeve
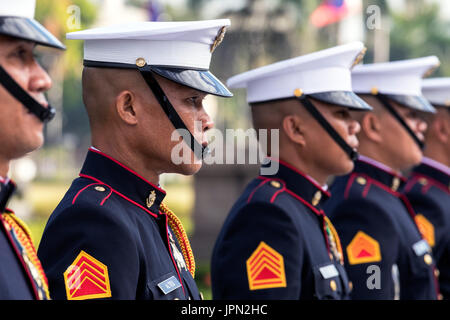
x=370, y=244
x=88, y=253
x=258, y=256
x=434, y=224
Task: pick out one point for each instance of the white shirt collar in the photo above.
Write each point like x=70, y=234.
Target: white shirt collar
x=437, y=165
x=378, y=164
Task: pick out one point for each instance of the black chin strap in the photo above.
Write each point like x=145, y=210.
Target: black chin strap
x=385, y=102
x=147, y=73
x=352, y=153
x=44, y=114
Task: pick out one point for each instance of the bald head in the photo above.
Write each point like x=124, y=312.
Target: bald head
x=270, y=115
x=101, y=87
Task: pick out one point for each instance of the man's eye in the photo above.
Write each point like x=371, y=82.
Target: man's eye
x=192, y=100
x=343, y=114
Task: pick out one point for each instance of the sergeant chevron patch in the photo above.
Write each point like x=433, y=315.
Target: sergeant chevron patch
x=363, y=249
x=426, y=228
x=86, y=278
x=265, y=268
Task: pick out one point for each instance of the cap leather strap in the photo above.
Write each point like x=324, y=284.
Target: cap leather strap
x=147, y=73
x=44, y=114
x=385, y=102
x=352, y=153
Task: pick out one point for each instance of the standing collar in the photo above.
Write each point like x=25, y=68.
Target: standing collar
x=433, y=170
x=102, y=168
x=379, y=172
x=299, y=183
x=436, y=165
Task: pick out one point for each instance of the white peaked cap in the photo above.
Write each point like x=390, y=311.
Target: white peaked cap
x=437, y=91
x=323, y=71
x=394, y=78
x=17, y=21
x=172, y=44
x=18, y=8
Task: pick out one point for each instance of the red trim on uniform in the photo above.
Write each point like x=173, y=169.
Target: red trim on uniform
x=126, y=168
x=366, y=189
x=19, y=256
x=107, y=197
x=411, y=183
x=119, y=194
x=431, y=181
x=171, y=256
x=370, y=180
x=277, y=193
x=303, y=201
x=290, y=166
x=78, y=193
x=349, y=185
x=265, y=180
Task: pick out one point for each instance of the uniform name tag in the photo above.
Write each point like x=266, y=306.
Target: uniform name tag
x=167, y=286
x=329, y=271
x=421, y=247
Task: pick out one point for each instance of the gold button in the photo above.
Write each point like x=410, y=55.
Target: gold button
x=316, y=199
x=140, y=62
x=428, y=259
x=298, y=92
x=423, y=181
x=100, y=188
x=361, y=181
x=395, y=184
x=275, y=184
x=333, y=285
x=350, y=285
x=436, y=273
x=374, y=90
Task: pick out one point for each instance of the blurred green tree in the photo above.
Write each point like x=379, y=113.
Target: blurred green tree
x=56, y=16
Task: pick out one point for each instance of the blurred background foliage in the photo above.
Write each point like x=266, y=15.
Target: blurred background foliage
x=262, y=32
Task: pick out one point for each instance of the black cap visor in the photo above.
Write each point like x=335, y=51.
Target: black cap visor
x=198, y=79
x=418, y=103
x=28, y=29
x=201, y=80
x=342, y=98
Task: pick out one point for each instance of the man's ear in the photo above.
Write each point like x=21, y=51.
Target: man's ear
x=294, y=129
x=371, y=126
x=125, y=107
x=441, y=126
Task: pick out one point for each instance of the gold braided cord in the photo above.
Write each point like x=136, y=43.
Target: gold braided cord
x=177, y=227
x=336, y=239
x=23, y=233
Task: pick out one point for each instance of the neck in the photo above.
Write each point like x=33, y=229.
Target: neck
x=438, y=154
x=4, y=167
x=379, y=155
x=128, y=157
x=303, y=166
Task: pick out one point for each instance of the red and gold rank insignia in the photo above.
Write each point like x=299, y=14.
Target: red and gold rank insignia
x=363, y=249
x=426, y=228
x=265, y=268
x=87, y=278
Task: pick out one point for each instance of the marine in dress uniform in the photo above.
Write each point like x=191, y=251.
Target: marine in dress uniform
x=428, y=186
x=111, y=236
x=21, y=273
x=277, y=242
x=386, y=256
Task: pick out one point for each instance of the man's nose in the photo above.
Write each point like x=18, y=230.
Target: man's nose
x=40, y=81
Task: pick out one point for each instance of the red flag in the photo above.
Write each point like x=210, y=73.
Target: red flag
x=329, y=11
